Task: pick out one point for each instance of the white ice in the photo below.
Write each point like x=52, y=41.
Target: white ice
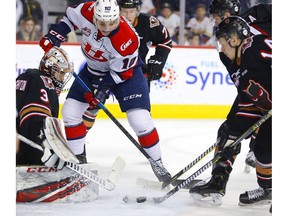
x=181, y=142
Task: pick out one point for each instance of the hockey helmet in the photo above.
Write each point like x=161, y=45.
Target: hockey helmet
x=57, y=64
x=233, y=25
x=129, y=3
x=106, y=10
x=220, y=6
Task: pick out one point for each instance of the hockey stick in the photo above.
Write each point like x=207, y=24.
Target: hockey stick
x=118, y=124
x=106, y=184
x=174, y=180
x=189, y=166
x=157, y=200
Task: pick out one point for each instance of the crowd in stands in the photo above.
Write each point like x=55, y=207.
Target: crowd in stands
x=198, y=29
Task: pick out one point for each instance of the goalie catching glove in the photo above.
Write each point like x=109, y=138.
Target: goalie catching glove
x=49, y=157
x=154, y=67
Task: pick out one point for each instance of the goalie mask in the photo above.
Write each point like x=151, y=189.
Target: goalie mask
x=57, y=64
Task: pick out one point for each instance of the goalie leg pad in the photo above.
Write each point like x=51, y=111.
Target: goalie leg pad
x=56, y=139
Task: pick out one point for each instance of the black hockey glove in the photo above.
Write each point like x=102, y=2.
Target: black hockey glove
x=101, y=93
x=225, y=139
x=154, y=67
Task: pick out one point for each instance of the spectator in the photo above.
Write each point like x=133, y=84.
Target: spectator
x=175, y=4
x=175, y=37
x=200, y=24
x=147, y=6
x=191, y=6
x=27, y=30
x=32, y=8
x=194, y=39
x=168, y=18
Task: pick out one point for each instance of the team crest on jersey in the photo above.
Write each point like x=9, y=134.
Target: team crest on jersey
x=48, y=82
x=86, y=31
x=154, y=22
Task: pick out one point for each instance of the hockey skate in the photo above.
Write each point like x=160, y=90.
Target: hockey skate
x=210, y=192
x=259, y=196
x=250, y=161
x=163, y=175
x=82, y=157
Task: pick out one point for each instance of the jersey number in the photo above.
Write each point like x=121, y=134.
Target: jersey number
x=127, y=63
x=269, y=44
x=44, y=96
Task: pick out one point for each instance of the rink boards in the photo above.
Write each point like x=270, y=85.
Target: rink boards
x=195, y=84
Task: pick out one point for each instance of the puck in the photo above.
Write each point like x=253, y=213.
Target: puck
x=141, y=199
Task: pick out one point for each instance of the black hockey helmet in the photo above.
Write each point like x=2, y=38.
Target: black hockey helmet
x=128, y=3
x=220, y=6
x=233, y=25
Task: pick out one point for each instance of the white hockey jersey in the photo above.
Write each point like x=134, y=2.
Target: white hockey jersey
x=117, y=53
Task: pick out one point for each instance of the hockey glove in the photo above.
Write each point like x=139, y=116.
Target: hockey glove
x=53, y=38
x=154, y=67
x=89, y=97
x=50, y=159
x=225, y=139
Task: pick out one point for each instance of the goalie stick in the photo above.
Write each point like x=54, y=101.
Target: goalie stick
x=108, y=184
x=118, y=124
x=174, y=180
x=161, y=199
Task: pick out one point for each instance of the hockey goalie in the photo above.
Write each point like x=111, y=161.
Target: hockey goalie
x=41, y=175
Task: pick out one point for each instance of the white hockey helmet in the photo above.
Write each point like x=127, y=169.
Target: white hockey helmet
x=57, y=64
x=106, y=10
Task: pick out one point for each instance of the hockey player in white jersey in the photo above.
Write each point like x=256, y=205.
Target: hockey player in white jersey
x=110, y=45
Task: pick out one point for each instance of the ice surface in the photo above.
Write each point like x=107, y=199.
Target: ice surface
x=181, y=142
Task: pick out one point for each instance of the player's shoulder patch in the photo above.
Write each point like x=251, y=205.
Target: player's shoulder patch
x=148, y=20
x=125, y=40
x=87, y=10
x=154, y=22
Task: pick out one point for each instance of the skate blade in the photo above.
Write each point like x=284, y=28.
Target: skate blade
x=259, y=203
x=214, y=199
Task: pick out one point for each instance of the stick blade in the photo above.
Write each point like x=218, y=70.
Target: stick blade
x=116, y=170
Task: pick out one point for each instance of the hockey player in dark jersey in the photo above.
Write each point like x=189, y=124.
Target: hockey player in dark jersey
x=250, y=70
x=151, y=32
x=37, y=93
x=243, y=111
x=259, y=18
